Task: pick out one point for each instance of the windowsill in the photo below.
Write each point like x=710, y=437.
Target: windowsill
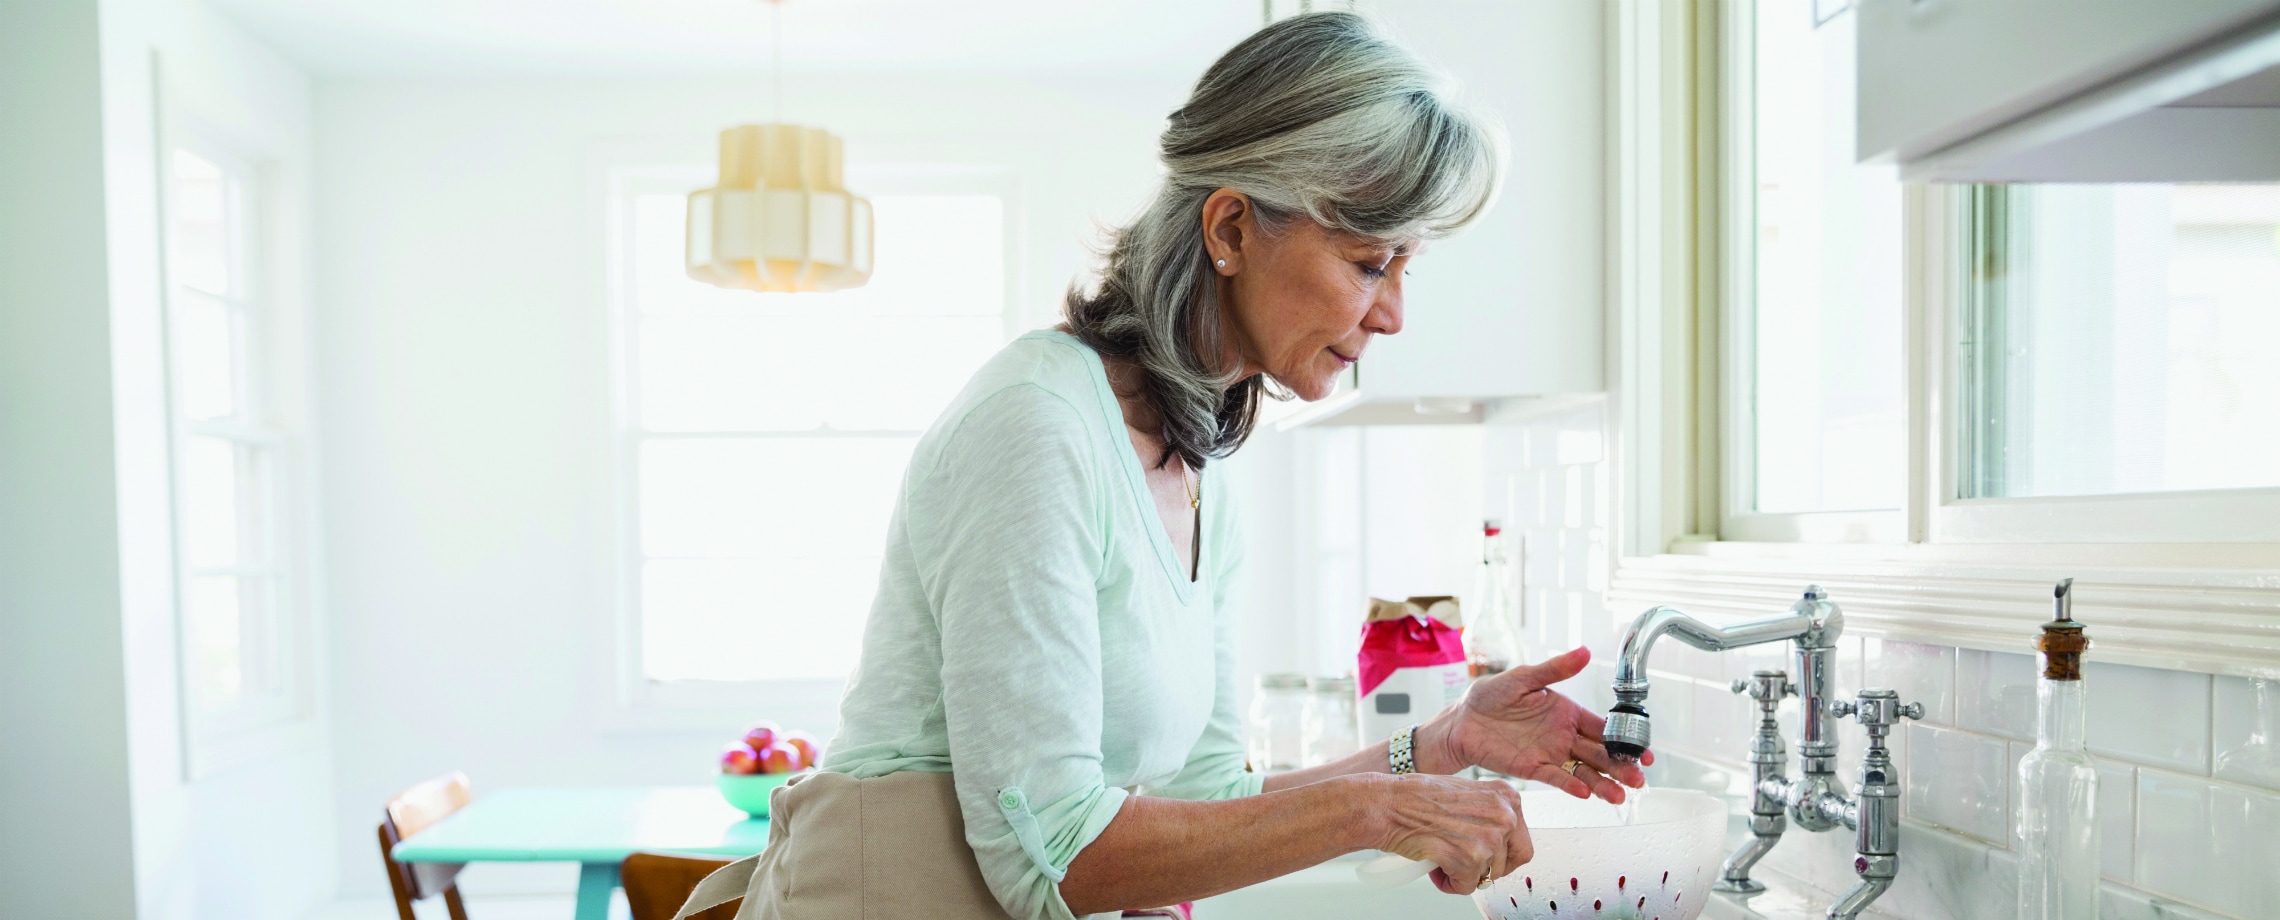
x=2197, y=607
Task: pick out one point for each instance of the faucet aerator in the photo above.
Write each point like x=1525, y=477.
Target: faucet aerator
x=1628, y=732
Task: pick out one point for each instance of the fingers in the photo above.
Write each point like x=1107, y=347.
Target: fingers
x=1551, y=775
x=1474, y=832
x=1593, y=753
x=1519, y=848
x=1554, y=669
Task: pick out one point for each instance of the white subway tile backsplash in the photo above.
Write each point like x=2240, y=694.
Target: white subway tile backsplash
x=1598, y=630
x=1723, y=721
x=1577, y=502
x=1543, y=446
x=1575, y=559
x=2247, y=731
x=1995, y=693
x=2116, y=902
x=2117, y=821
x=1595, y=561
x=1670, y=706
x=1540, y=558
x=2148, y=716
x=1921, y=673
x=1771, y=656
x=1957, y=780
x=2208, y=843
x=1579, y=441
x=1673, y=655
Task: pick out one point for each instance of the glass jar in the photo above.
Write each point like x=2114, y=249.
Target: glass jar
x=1331, y=730
x=1277, y=725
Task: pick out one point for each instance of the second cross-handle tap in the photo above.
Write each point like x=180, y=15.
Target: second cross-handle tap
x=1877, y=815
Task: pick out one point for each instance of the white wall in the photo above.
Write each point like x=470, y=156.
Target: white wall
x=468, y=407
x=250, y=838
x=68, y=851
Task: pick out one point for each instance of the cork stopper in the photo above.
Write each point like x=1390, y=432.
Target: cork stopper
x=2062, y=641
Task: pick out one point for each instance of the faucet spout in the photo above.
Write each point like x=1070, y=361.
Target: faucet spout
x=1813, y=621
x=1857, y=900
x=1804, y=618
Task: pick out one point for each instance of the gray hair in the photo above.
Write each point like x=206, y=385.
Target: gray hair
x=1318, y=115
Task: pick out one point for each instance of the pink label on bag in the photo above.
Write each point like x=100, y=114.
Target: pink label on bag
x=1407, y=642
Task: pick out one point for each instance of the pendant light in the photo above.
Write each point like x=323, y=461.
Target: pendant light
x=781, y=219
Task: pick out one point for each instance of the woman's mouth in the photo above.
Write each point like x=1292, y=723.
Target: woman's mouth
x=1343, y=361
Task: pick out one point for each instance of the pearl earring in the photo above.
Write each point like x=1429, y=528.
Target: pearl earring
x=1222, y=263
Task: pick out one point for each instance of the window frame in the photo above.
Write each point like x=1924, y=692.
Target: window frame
x=217, y=738
x=2247, y=516
x=1738, y=340
x=1970, y=573
x=633, y=701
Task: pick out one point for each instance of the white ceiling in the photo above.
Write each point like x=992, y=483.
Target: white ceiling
x=622, y=37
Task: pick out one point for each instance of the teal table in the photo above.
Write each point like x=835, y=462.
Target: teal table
x=593, y=827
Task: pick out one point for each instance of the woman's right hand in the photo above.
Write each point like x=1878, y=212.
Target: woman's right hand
x=1472, y=829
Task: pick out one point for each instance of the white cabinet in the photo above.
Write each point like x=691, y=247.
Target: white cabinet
x=1512, y=307
x=2071, y=90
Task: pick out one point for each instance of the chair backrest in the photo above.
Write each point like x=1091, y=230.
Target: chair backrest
x=411, y=812
x=657, y=883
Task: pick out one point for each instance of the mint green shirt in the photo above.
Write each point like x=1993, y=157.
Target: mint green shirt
x=1035, y=633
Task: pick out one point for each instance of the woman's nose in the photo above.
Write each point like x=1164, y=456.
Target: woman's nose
x=1384, y=317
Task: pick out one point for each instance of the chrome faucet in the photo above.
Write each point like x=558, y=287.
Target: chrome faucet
x=1816, y=800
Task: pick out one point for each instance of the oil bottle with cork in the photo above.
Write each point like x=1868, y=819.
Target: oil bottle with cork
x=2058, y=782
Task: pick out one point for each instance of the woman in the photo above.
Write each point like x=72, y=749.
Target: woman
x=1044, y=723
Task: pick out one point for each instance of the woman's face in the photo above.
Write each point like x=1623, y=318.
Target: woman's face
x=1304, y=301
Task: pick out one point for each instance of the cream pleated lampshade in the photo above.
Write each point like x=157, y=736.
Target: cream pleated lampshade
x=781, y=218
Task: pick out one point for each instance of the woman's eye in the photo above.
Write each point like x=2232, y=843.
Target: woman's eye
x=1373, y=271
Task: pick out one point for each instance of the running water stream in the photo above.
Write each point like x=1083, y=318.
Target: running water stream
x=1628, y=812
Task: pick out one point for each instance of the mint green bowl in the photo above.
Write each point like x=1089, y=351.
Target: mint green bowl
x=750, y=792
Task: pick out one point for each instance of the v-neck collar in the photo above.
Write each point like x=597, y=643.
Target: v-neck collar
x=1136, y=478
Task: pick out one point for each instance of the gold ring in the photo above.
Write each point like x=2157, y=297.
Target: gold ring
x=1484, y=881
x=1570, y=767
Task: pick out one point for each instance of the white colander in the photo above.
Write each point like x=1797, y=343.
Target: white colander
x=1589, y=865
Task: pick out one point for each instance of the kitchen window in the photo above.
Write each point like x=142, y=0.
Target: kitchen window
x=1817, y=430
x=1934, y=400
x=236, y=585
x=763, y=436
x=2118, y=343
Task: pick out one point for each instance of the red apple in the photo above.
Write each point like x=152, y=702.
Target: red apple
x=759, y=735
x=780, y=758
x=811, y=753
x=740, y=759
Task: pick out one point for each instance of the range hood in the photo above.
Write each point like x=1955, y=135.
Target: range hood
x=2071, y=90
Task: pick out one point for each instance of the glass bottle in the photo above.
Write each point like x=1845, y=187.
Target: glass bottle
x=1274, y=737
x=1330, y=728
x=2058, y=783
x=1492, y=644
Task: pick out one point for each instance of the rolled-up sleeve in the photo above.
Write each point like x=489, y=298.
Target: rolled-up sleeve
x=1215, y=767
x=1010, y=546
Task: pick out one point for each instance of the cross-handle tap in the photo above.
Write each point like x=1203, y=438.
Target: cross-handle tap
x=1877, y=854
x=1768, y=786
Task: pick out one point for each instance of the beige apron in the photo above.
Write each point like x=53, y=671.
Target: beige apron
x=840, y=848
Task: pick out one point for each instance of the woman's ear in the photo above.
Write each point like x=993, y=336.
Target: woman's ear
x=1229, y=223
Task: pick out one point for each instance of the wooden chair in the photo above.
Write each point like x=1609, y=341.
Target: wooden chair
x=657, y=883
x=410, y=812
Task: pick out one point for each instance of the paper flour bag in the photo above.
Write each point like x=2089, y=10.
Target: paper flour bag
x=1412, y=663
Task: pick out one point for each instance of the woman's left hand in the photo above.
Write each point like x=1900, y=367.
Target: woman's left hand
x=1515, y=724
